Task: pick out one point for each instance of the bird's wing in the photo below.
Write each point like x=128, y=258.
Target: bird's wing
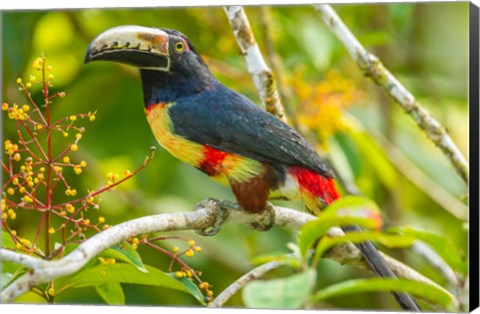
x=229, y=121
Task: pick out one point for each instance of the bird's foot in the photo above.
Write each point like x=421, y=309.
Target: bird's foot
x=265, y=220
x=221, y=216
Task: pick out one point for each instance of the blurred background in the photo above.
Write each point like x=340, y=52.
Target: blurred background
x=342, y=113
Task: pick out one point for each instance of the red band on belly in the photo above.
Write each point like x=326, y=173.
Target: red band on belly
x=212, y=161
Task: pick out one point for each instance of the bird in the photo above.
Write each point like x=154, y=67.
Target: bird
x=222, y=132
x=214, y=128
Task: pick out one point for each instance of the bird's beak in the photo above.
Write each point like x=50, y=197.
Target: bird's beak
x=143, y=47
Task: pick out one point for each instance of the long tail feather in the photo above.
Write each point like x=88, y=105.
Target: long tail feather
x=317, y=192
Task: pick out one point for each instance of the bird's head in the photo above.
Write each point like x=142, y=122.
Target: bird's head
x=147, y=48
x=166, y=58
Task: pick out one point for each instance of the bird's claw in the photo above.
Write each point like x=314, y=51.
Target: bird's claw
x=266, y=219
x=220, y=217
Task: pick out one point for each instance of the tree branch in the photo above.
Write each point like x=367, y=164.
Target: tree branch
x=436, y=192
x=256, y=66
x=437, y=262
x=242, y=281
x=373, y=68
x=209, y=213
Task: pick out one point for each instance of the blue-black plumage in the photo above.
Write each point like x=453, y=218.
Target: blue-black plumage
x=213, y=127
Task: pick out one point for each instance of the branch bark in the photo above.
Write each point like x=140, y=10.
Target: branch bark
x=373, y=68
x=242, y=281
x=256, y=66
x=207, y=214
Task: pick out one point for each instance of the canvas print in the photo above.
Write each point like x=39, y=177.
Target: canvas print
x=268, y=157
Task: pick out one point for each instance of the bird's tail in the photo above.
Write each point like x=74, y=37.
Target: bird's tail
x=316, y=190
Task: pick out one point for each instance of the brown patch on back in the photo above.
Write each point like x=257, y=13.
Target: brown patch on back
x=253, y=194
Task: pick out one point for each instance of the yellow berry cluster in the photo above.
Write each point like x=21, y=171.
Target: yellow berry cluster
x=187, y=272
x=8, y=213
x=190, y=251
x=16, y=112
x=112, y=178
x=36, y=173
x=39, y=64
x=10, y=148
x=135, y=242
x=70, y=192
x=184, y=273
x=22, y=242
x=207, y=287
x=77, y=168
x=107, y=261
x=4, y=208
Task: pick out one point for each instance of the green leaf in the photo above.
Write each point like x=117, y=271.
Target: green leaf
x=111, y=293
x=373, y=153
x=10, y=272
x=192, y=287
x=389, y=240
x=5, y=280
x=419, y=289
x=444, y=247
x=286, y=293
x=348, y=210
x=355, y=206
x=125, y=273
x=7, y=241
x=126, y=253
x=350, y=153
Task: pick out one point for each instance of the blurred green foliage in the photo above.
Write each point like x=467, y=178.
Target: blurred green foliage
x=425, y=45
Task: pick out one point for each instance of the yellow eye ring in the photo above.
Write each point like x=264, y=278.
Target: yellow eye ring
x=179, y=46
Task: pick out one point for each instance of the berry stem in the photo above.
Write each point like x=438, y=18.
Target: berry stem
x=49, y=162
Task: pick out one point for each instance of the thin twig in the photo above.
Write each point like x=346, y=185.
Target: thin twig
x=256, y=66
x=204, y=216
x=403, y=271
x=242, y=281
x=441, y=196
x=373, y=68
x=437, y=262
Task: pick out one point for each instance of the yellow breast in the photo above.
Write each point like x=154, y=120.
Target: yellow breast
x=232, y=167
x=161, y=125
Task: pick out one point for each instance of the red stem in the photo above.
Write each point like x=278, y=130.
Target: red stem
x=49, y=161
x=24, y=143
x=34, y=139
x=174, y=257
x=29, y=95
x=108, y=187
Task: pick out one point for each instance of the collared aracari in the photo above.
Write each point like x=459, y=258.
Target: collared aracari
x=219, y=131
x=212, y=127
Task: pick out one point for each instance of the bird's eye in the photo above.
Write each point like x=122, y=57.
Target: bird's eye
x=179, y=46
